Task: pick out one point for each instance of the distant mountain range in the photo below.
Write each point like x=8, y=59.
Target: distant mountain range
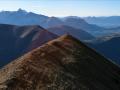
x=108, y=22
x=22, y=17
x=61, y=64
x=78, y=33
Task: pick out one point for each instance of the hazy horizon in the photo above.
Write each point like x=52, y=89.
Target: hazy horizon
x=62, y=8
x=56, y=16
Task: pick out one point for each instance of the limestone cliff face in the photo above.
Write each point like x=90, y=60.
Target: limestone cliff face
x=61, y=64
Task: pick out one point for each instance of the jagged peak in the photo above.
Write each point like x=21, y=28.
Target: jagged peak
x=22, y=10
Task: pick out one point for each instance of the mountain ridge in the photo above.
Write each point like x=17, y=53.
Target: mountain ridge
x=64, y=64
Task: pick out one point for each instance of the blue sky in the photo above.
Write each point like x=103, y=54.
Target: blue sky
x=65, y=7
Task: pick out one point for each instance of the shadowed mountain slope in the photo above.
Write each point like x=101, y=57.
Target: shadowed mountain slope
x=16, y=40
x=61, y=64
x=80, y=23
x=109, y=46
x=41, y=38
x=77, y=33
